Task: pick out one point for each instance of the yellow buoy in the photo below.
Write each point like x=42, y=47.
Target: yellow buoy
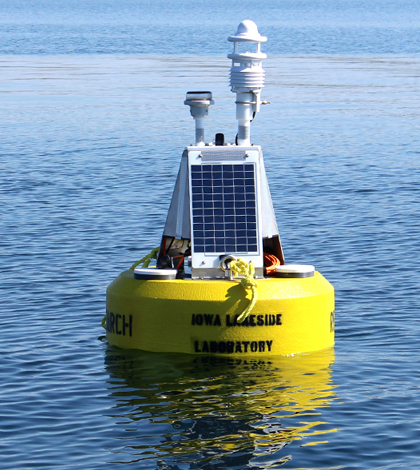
x=291, y=315
x=220, y=285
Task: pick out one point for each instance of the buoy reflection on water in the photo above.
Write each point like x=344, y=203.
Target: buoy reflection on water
x=179, y=410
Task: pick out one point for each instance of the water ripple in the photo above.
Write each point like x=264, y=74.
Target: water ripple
x=87, y=172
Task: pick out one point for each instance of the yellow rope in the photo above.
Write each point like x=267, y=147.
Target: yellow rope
x=241, y=267
x=146, y=259
x=238, y=267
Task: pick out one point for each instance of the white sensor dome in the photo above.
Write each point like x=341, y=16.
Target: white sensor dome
x=247, y=31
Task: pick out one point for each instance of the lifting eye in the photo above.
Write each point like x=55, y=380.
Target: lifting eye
x=225, y=260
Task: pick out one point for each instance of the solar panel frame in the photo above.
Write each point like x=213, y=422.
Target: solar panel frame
x=224, y=209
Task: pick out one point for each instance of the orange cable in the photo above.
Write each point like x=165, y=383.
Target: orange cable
x=180, y=262
x=270, y=263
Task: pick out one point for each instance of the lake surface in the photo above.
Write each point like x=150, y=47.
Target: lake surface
x=92, y=128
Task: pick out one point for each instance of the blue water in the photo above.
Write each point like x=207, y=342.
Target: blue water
x=194, y=27
x=92, y=127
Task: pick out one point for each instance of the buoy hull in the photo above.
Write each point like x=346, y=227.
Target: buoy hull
x=199, y=316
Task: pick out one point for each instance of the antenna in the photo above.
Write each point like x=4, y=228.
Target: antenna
x=246, y=77
x=199, y=102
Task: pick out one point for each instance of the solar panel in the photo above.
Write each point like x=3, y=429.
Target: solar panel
x=224, y=210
